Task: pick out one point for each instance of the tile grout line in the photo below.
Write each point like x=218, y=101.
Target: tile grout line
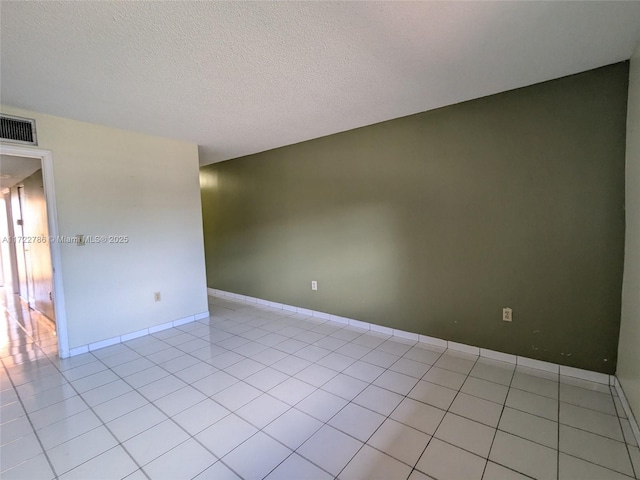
x=442, y=419
x=495, y=433
x=287, y=323
x=35, y=433
x=387, y=417
x=633, y=468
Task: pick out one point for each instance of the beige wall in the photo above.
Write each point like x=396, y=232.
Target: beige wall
x=115, y=182
x=629, y=346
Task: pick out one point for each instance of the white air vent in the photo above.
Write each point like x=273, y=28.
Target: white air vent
x=18, y=130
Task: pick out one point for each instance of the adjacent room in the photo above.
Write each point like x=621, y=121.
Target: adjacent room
x=320, y=240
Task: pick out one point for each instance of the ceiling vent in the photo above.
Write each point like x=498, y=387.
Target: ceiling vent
x=18, y=130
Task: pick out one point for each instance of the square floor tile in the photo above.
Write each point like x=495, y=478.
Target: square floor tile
x=53, y=413
x=456, y=363
x=478, y=387
x=119, y=406
x=13, y=429
x=441, y=460
x=591, y=420
x=364, y=371
x=236, y=396
x=217, y=471
x=266, y=379
x=467, y=434
x=146, y=376
x=330, y=449
x=477, y=409
x=493, y=471
x=291, y=365
x=634, y=452
x=396, y=382
x=531, y=427
x=75, y=452
x=378, y=399
x=68, y=428
x=336, y=361
x=158, y=389
x=602, y=402
x=534, y=404
x=297, y=467
x=312, y=353
x=316, y=375
x=262, y=410
x=152, y=443
x=524, y=456
x=226, y=434
x=196, y=372
x=293, y=428
x=291, y=391
x=322, y=405
x=114, y=463
x=215, y=383
x=420, y=353
x=200, y=416
x=183, y=461
x=410, y=367
x=179, y=400
x=493, y=371
x=357, y=421
x=627, y=432
x=445, y=378
x=400, y=441
x=134, y=366
x=353, y=350
x=594, y=448
x=136, y=421
x=36, y=467
x=373, y=464
x=436, y=395
x=380, y=358
x=16, y=452
x=535, y=384
x=418, y=415
x=396, y=346
x=344, y=386
x=256, y=457
x=572, y=468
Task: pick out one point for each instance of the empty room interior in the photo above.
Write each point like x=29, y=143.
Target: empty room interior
x=320, y=240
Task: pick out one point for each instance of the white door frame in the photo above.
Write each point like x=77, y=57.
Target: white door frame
x=52, y=219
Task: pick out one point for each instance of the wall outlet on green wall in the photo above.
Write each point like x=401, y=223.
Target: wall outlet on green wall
x=314, y=285
x=507, y=314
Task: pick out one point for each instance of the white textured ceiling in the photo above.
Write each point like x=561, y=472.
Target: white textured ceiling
x=239, y=78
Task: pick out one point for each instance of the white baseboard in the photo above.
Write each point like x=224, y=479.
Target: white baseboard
x=437, y=342
x=138, y=333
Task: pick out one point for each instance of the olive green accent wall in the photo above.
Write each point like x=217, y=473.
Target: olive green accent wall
x=433, y=223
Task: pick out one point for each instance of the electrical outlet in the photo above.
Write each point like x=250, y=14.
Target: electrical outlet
x=314, y=285
x=157, y=297
x=507, y=314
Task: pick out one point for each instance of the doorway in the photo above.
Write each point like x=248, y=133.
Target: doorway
x=28, y=229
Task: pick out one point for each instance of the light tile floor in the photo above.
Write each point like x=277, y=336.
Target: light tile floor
x=255, y=392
